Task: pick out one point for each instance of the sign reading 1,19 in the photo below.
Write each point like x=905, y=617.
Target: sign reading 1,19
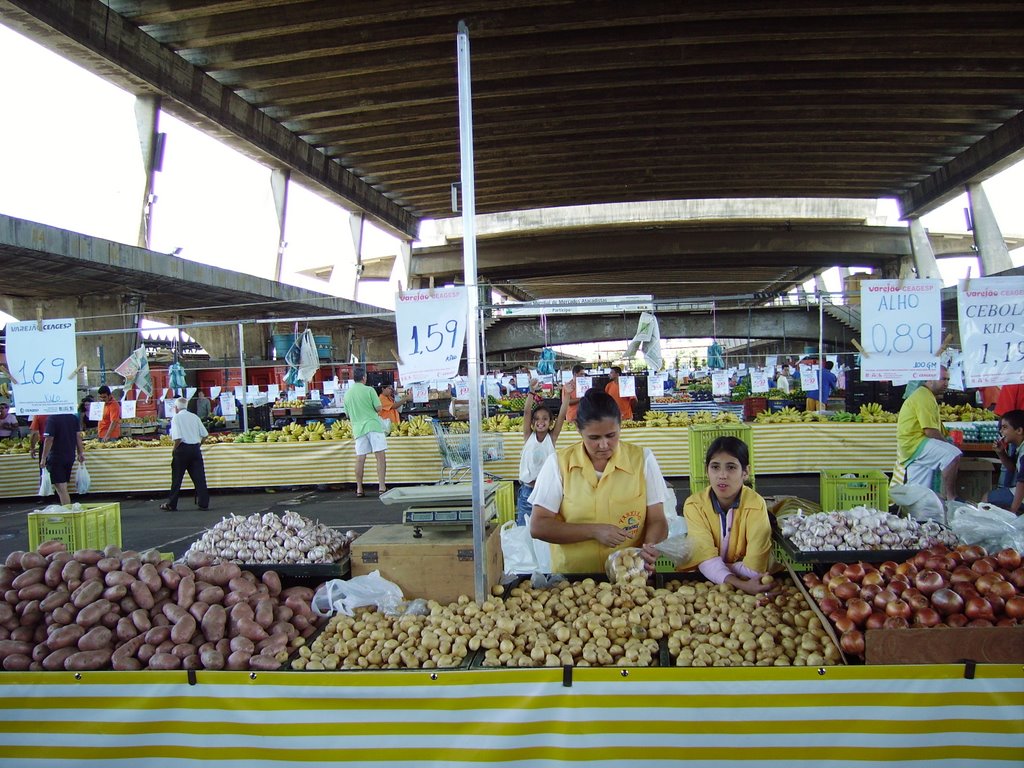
x=904, y=339
x=38, y=375
x=1010, y=356
x=433, y=333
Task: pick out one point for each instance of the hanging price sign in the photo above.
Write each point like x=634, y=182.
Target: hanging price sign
x=420, y=393
x=128, y=409
x=900, y=329
x=758, y=381
x=583, y=384
x=991, y=311
x=627, y=386
x=43, y=364
x=431, y=328
x=656, y=384
x=720, y=383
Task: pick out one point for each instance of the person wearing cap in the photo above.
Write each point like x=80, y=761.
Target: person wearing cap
x=109, y=427
x=8, y=422
x=187, y=432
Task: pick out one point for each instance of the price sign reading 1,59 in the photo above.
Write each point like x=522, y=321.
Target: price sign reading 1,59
x=431, y=330
x=432, y=338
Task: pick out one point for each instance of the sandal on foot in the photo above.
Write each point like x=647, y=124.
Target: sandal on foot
x=359, y=494
x=167, y=508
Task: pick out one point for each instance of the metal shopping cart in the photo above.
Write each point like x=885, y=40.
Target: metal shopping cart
x=454, y=444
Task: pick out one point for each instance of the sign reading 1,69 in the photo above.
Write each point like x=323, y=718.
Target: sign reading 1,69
x=42, y=360
x=38, y=375
x=432, y=338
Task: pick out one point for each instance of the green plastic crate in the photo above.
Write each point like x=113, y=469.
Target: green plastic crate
x=702, y=436
x=96, y=526
x=843, y=489
x=780, y=556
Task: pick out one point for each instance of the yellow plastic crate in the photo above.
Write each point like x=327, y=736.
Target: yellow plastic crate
x=843, y=489
x=96, y=526
x=701, y=436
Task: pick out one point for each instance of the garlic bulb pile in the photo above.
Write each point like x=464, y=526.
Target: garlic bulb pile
x=861, y=528
x=267, y=538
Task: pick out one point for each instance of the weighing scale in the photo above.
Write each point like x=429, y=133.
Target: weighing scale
x=447, y=506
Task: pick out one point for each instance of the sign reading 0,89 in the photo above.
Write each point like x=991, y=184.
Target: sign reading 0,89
x=43, y=363
x=901, y=329
x=431, y=328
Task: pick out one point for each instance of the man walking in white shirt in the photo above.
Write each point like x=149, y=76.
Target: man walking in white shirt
x=187, y=431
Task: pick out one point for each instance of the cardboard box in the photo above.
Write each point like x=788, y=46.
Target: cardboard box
x=945, y=645
x=976, y=478
x=438, y=566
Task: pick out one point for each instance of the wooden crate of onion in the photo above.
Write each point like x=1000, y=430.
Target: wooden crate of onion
x=941, y=605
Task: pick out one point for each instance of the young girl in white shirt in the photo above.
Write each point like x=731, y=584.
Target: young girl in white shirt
x=539, y=436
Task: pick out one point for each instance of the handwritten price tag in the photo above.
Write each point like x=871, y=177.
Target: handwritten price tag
x=900, y=329
x=95, y=410
x=420, y=393
x=583, y=383
x=431, y=328
x=43, y=364
x=720, y=383
x=127, y=409
x=758, y=381
x=627, y=386
x=656, y=384
x=992, y=330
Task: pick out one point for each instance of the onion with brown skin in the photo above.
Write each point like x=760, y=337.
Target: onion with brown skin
x=957, y=620
x=1015, y=608
x=868, y=592
x=985, y=582
x=916, y=601
x=963, y=574
x=978, y=608
x=1006, y=622
x=947, y=602
x=873, y=578
x=858, y=611
x=829, y=605
x=1002, y=589
x=843, y=623
x=965, y=590
x=899, y=609
x=852, y=642
x=927, y=617
x=928, y=581
x=1008, y=559
x=883, y=598
x=984, y=565
x=847, y=590
x=979, y=623
x=876, y=620
x=856, y=572
x=1016, y=578
x=895, y=622
x=970, y=553
x=997, y=603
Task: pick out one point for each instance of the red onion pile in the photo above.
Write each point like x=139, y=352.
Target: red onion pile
x=963, y=587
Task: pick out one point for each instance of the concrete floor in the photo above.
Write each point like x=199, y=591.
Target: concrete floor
x=144, y=525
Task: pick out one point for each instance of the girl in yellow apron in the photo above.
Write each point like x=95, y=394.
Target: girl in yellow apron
x=598, y=495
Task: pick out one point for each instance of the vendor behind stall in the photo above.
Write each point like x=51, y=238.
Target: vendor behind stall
x=390, y=403
x=598, y=495
x=1010, y=492
x=727, y=523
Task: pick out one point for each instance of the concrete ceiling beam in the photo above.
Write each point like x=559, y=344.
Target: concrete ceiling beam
x=91, y=34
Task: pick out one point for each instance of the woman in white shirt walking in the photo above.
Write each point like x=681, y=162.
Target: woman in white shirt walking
x=539, y=436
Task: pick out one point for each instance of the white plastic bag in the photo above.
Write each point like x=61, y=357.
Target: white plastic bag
x=990, y=526
x=82, y=478
x=345, y=596
x=387, y=424
x=45, y=486
x=678, y=549
x=918, y=502
x=523, y=553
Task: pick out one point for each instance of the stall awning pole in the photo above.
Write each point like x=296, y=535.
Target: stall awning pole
x=473, y=312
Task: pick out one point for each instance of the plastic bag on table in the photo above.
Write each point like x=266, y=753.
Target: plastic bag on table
x=523, y=553
x=918, y=502
x=990, y=526
x=45, y=486
x=82, y=479
x=417, y=607
x=678, y=549
x=623, y=566
x=345, y=596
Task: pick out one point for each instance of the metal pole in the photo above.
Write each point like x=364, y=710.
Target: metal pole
x=245, y=390
x=821, y=349
x=473, y=313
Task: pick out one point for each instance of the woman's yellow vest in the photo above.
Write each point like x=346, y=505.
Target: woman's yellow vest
x=618, y=498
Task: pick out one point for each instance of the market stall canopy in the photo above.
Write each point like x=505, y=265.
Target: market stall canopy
x=577, y=103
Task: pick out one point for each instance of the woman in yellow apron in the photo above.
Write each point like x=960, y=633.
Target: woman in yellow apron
x=598, y=495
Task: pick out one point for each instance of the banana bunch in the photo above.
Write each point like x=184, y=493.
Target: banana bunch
x=416, y=426
x=503, y=423
x=124, y=442
x=965, y=412
x=814, y=417
x=843, y=416
x=657, y=419
x=873, y=413
x=12, y=445
x=289, y=403
x=631, y=424
x=785, y=416
x=707, y=417
x=5, y=390
x=726, y=417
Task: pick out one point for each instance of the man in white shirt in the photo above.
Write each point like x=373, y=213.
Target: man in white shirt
x=187, y=431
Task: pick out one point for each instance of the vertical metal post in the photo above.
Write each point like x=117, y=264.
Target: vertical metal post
x=245, y=391
x=473, y=313
x=821, y=349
